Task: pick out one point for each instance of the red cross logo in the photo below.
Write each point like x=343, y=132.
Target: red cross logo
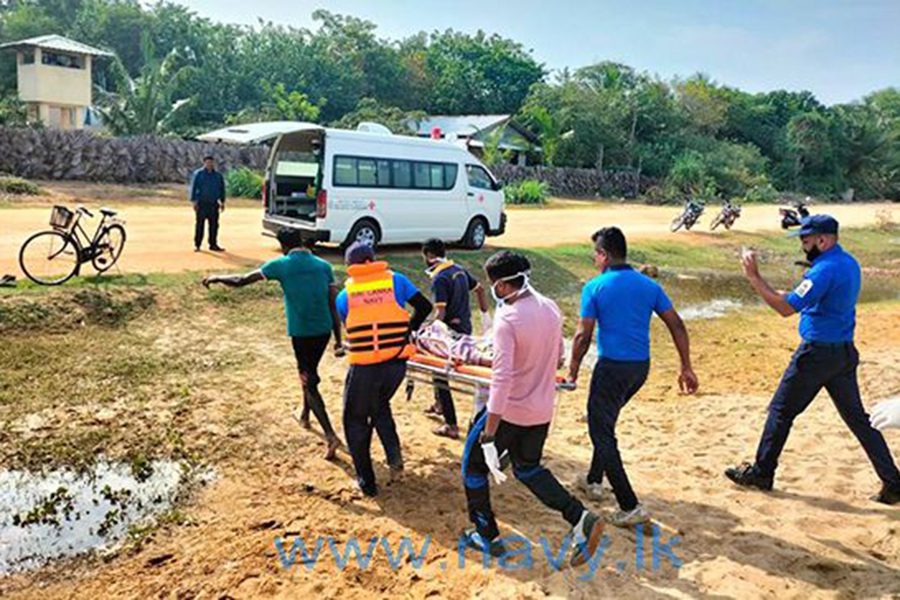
x=481, y=197
x=371, y=205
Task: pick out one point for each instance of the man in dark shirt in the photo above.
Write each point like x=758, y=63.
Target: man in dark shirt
x=208, y=198
x=451, y=285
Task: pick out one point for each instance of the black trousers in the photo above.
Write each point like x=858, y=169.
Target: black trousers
x=526, y=447
x=308, y=351
x=814, y=366
x=207, y=213
x=442, y=394
x=613, y=384
x=367, y=405
x=444, y=398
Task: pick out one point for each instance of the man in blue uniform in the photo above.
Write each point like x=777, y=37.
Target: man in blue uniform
x=826, y=300
x=620, y=302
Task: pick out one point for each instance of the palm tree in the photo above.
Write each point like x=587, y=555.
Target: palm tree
x=144, y=105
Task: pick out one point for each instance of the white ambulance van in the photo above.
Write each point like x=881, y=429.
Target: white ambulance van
x=368, y=185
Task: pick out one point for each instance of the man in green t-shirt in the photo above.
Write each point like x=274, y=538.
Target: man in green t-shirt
x=309, y=294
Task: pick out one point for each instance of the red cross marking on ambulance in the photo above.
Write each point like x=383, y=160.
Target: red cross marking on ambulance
x=371, y=205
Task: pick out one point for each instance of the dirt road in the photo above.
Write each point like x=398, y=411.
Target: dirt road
x=160, y=237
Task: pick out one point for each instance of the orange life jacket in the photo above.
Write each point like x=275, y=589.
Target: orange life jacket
x=377, y=328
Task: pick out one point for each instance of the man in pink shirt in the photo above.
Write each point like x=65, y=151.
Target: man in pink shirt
x=527, y=351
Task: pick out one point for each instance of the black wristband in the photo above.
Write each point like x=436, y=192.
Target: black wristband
x=487, y=439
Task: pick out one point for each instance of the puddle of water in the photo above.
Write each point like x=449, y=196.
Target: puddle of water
x=62, y=513
x=713, y=309
x=709, y=293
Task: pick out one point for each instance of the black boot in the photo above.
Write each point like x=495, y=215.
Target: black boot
x=746, y=475
x=888, y=495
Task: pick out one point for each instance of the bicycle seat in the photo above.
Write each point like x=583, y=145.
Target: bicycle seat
x=108, y=212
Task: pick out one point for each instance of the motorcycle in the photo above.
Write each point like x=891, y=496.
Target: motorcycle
x=727, y=216
x=790, y=217
x=688, y=218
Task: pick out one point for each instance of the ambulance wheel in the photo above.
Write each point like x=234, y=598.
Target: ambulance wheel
x=476, y=234
x=366, y=231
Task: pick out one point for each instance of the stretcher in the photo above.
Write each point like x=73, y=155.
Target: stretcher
x=471, y=380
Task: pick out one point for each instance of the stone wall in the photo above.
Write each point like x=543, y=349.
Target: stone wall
x=79, y=155
x=578, y=183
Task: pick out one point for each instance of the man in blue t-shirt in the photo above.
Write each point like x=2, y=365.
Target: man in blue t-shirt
x=826, y=300
x=451, y=286
x=620, y=302
x=309, y=290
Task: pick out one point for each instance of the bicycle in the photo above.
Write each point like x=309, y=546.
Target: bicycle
x=54, y=256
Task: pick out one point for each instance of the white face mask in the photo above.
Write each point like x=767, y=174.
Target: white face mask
x=525, y=287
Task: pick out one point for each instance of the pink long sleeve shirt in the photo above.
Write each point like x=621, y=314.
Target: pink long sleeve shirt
x=527, y=348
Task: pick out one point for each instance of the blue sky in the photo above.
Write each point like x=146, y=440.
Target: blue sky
x=840, y=50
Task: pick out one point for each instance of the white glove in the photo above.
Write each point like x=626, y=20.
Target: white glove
x=886, y=414
x=487, y=324
x=492, y=458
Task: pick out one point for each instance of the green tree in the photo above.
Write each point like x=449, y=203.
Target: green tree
x=281, y=105
x=399, y=121
x=145, y=104
x=474, y=74
x=810, y=147
x=12, y=112
x=114, y=25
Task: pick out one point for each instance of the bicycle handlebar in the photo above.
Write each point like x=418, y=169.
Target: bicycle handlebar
x=85, y=211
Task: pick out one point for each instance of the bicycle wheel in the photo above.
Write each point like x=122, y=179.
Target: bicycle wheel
x=109, y=247
x=677, y=222
x=50, y=257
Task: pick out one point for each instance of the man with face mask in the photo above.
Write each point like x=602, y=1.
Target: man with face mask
x=620, y=302
x=527, y=351
x=826, y=300
x=451, y=285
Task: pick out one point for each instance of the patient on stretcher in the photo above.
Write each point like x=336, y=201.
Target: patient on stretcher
x=439, y=340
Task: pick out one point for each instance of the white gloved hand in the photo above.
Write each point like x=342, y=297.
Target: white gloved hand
x=492, y=458
x=487, y=324
x=886, y=414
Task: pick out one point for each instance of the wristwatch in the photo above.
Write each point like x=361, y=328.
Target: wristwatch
x=487, y=439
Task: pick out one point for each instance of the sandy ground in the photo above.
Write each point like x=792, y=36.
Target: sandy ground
x=816, y=536
x=160, y=233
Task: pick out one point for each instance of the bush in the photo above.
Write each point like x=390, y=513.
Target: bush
x=762, y=194
x=529, y=191
x=243, y=183
x=17, y=185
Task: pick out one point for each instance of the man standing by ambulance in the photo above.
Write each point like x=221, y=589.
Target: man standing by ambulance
x=372, y=306
x=208, y=198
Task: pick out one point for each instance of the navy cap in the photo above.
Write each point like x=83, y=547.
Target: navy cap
x=358, y=253
x=816, y=224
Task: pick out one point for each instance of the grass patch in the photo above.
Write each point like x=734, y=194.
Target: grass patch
x=63, y=311
x=18, y=186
